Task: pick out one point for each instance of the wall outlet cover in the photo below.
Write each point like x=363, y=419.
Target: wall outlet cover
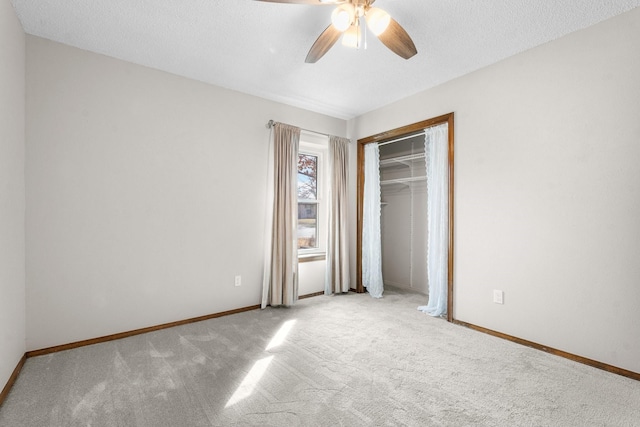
x=498, y=296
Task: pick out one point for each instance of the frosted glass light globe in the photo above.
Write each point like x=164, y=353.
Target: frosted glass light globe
x=342, y=17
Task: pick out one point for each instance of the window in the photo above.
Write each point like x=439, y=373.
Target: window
x=312, y=214
x=307, y=201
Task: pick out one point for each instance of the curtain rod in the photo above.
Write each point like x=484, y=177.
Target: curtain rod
x=271, y=123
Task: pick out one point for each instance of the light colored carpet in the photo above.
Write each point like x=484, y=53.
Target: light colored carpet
x=348, y=360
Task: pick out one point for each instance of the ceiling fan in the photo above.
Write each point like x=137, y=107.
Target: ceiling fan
x=345, y=22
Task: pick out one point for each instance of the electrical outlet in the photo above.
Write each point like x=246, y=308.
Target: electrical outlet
x=498, y=296
x=238, y=281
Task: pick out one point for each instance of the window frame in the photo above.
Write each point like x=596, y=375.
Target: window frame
x=317, y=146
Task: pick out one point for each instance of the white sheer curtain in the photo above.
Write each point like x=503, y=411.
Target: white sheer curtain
x=337, y=276
x=280, y=279
x=437, y=159
x=371, y=240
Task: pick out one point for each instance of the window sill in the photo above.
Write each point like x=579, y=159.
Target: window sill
x=311, y=257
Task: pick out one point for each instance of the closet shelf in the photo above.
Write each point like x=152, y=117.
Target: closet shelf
x=405, y=181
x=401, y=160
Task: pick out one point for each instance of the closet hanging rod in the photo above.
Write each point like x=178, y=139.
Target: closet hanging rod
x=271, y=123
x=380, y=144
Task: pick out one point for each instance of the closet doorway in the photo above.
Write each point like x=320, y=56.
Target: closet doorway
x=403, y=212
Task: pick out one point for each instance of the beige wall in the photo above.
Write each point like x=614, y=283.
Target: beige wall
x=547, y=190
x=145, y=194
x=12, y=191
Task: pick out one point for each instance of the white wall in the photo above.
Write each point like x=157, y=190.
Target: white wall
x=404, y=236
x=312, y=277
x=547, y=190
x=12, y=191
x=145, y=194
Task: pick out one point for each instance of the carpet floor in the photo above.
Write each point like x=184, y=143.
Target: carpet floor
x=346, y=360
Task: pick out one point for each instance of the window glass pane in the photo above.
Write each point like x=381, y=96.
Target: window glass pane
x=307, y=225
x=307, y=177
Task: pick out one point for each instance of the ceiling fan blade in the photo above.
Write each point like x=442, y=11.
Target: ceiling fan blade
x=315, y=2
x=397, y=39
x=322, y=45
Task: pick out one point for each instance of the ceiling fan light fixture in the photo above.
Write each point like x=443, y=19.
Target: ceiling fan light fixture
x=377, y=20
x=351, y=37
x=342, y=17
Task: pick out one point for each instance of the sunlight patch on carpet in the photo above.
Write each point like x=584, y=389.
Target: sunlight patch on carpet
x=281, y=335
x=245, y=389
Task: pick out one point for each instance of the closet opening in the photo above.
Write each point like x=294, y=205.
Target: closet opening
x=402, y=174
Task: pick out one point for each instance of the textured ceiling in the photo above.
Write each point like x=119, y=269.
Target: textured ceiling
x=259, y=48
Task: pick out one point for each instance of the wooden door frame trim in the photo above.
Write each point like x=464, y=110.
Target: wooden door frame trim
x=389, y=135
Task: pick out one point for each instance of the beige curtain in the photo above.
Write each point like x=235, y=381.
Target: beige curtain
x=280, y=284
x=337, y=277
